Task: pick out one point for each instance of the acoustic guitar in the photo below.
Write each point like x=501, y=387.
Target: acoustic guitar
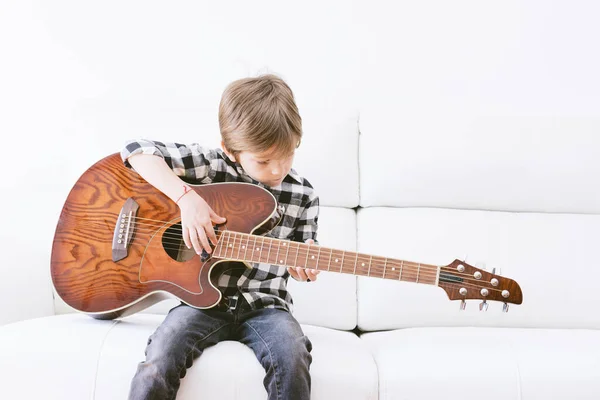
x=118, y=248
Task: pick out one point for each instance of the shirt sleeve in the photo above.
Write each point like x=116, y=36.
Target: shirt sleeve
x=190, y=162
x=308, y=222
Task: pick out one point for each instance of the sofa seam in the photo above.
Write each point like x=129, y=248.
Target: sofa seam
x=94, y=385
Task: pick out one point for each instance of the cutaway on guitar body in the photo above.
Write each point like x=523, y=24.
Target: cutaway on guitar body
x=118, y=248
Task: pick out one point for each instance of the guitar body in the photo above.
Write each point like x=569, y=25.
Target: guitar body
x=118, y=248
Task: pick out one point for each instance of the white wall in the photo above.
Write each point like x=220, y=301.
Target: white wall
x=78, y=77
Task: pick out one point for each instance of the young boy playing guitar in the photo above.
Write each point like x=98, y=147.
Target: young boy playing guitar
x=260, y=129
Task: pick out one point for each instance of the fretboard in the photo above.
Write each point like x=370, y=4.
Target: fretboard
x=237, y=246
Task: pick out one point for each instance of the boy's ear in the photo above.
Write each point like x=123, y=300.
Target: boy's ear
x=229, y=154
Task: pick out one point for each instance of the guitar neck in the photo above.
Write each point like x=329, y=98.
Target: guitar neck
x=236, y=246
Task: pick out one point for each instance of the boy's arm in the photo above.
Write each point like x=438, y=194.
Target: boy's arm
x=157, y=169
x=156, y=172
x=306, y=232
x=191, y=162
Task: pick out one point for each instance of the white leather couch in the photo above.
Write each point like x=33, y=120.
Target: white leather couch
x=433, y=131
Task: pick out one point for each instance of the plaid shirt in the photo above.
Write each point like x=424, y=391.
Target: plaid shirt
x=264, y=285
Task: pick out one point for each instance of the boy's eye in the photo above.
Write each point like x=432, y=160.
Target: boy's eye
x=263, y=162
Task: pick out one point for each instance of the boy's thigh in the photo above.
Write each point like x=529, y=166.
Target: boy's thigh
x=273, y=330
x=185, y=326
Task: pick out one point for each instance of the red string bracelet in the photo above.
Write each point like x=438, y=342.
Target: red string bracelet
x=186, y=190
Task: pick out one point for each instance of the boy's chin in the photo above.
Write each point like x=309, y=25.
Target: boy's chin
x=272, y=183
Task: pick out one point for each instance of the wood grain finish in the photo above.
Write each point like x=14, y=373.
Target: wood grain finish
x=82, y=270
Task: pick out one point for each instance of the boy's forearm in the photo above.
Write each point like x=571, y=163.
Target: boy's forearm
x=156, y=172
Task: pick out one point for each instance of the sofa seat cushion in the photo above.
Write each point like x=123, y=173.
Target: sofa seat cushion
x=490, y=363
x=76, y=357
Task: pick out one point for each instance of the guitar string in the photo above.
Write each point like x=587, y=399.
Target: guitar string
x=407, y=271
x=362, y=257
x=407, y=275
x=422, y=268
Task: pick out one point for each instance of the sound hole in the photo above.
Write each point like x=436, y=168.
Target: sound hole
x=174, y=245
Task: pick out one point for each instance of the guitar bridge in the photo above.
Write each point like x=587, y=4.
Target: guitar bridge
x=124, y=229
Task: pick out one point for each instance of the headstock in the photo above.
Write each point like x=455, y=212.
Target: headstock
x=462, y=281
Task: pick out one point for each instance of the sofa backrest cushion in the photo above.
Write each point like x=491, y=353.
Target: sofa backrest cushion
x=551, y=257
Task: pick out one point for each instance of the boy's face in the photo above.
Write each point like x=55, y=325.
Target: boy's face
x=267, y=167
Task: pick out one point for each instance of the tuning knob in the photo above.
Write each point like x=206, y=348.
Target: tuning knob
x=483, y=306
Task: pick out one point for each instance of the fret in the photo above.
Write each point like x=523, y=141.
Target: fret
x=330, y=254
x=269, y=252
x=216, y=249
x=307, y=255
x=401, y=265
x=355, y=262
x=342, y=263
x=287, y=252
x=239, y=248
x=370, y=262
x=231, y=245
x=279, y=261
x=261, y=250
x=246, y=249
x=384, y=267
x=226, y=244
x=253, y=247
x=221, y=244
x=318, y=255
x=418, y=272
x=297, y=251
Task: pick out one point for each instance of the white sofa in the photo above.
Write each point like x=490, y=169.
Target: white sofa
x=433, y=131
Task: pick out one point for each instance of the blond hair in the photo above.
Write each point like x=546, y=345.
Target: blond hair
x=259, y=114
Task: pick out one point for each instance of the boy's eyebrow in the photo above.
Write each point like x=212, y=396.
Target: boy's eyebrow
x=268, y=158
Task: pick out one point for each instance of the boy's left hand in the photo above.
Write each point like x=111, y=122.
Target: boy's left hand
x=303, y=275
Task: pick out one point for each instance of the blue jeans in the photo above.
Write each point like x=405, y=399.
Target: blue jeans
x=274, y=335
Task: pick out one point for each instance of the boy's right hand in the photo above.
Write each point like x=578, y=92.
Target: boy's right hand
x=196, y=221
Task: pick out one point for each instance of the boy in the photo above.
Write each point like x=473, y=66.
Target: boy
x=260, y=129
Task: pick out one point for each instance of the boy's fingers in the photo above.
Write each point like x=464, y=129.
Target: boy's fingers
x=301, y=273
x=210, y=231
x=203, y=240
x=185, y=234
x=293, y=273
x=194, y=239
x=216, y=218
x=312, y=274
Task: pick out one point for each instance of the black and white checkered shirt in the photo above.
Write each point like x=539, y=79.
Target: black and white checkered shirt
x=264, y=285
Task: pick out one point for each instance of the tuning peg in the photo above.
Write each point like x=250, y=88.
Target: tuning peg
x=494, y=271
x=463, y=305
x=483, y=306
x=505, y=307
